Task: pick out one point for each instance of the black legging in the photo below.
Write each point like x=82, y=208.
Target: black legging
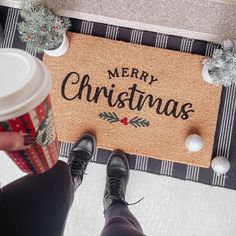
x=38, y=205
x=120, y=221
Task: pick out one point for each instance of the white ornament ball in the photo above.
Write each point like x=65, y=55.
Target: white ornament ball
x=194, y=143
x=220, y=165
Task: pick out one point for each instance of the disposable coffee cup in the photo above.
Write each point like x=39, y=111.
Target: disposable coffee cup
x=25, y=107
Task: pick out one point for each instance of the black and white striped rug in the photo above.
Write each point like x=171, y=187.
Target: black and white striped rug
x=225, y=139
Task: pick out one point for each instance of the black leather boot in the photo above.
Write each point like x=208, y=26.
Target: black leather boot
x=116, y=181
x=81, y=153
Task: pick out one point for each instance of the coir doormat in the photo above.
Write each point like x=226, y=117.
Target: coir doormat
x=139, y=99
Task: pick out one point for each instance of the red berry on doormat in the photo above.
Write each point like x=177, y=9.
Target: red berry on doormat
x=124, y=121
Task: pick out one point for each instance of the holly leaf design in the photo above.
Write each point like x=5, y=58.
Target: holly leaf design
x=46, y=133
x=5, y=125
x=139, y=122
x=111, y=117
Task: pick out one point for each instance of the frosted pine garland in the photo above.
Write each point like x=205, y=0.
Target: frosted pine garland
x=41, y=28
x=222, y=65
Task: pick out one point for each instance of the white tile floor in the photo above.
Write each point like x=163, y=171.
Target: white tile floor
x=171, y=207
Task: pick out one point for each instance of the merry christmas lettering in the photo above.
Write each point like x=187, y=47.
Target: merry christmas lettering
x=133, y=97
x=125, y=72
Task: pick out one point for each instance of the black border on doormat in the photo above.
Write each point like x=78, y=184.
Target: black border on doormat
x=225, y=138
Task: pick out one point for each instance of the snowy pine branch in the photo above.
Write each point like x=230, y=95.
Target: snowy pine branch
x=41, y=28
x=222, y=65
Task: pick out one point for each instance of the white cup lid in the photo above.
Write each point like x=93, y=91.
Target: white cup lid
x=24, y=83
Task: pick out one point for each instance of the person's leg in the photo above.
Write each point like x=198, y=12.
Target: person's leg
x=120, y=221
x=118, y=218
x=38, y=205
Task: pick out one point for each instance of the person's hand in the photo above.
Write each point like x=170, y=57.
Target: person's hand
x=13, y=141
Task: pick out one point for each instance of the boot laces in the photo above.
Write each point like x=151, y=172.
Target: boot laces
x=115, y=190
x=78, y=166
